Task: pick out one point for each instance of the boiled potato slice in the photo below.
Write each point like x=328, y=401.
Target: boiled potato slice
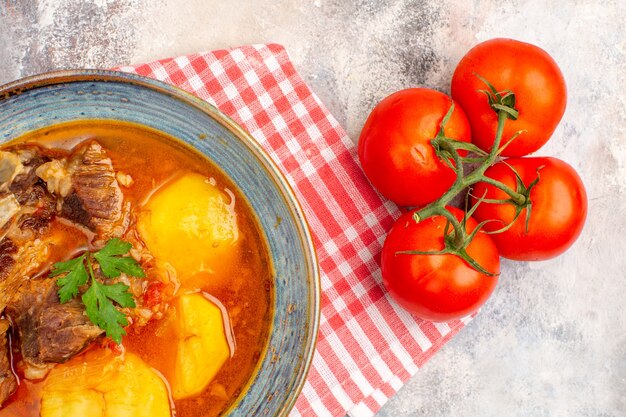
x=73, y=403
x=192, y=225
x=202, y=345
x=138, y=391
x=100, y=384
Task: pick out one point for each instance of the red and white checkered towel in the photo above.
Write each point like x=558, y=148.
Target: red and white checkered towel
x=367, y=346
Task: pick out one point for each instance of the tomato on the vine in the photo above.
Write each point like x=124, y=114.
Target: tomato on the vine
x=558, y=208
x=395, y=150
x=526, y=70
x=437, y=287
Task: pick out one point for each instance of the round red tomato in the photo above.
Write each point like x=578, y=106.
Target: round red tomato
x=395, y=150
x=437, y=287
x=530, y=73
x=558, y=211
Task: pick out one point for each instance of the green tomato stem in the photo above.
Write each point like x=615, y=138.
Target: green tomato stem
x=518, y=198
x=459, y=231
x=463, y=181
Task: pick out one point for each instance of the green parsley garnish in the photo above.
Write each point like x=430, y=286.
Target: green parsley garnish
x=99, y=298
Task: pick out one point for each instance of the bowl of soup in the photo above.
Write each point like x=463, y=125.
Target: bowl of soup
x=153, y=259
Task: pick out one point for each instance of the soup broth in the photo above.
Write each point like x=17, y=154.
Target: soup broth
x=151, y=168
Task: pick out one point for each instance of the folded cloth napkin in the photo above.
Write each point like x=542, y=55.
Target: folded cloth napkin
x=367, y=345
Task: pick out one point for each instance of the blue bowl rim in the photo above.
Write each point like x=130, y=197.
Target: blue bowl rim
x=17, y=87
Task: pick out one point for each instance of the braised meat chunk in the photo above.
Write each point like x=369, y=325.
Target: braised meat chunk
x=47, y=330
x=95, y=200
x=27, y=187
x=8, y=382
x=7, y=251
x=17, y=264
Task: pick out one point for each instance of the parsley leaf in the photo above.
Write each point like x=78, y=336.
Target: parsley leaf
x=112, y=264
x=102, y=312
x=100, y=296
x=76, y=276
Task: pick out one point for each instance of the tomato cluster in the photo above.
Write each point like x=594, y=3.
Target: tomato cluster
x=441, y=262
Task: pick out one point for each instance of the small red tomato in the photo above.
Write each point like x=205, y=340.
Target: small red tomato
x=395, y=150
x=558, y=211
x=526, y=70
x=154, y=294
x=437, y=287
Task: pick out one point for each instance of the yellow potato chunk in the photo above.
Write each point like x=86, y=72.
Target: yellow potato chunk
x=73, y=403
x=100, y=384
x=202, y=345
x=192, y=225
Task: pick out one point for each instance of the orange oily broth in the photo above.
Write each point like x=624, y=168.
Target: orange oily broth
x=151, y=159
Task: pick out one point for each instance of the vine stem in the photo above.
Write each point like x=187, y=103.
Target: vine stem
x=438, y=207
x=515, y=196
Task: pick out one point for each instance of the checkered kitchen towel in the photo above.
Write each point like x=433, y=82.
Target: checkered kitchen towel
x=367, y=346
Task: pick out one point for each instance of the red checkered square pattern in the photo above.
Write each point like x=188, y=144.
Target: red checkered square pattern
x=367, y=346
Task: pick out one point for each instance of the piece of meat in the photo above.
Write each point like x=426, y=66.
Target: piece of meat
x=8, y=382
x=47, y=330
x=30, y=210
x=96, y=200
x=7, y=260
x=84, y=185
x=27, y=211
x=18, y=264
x=36, y=204
x=27, y=187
